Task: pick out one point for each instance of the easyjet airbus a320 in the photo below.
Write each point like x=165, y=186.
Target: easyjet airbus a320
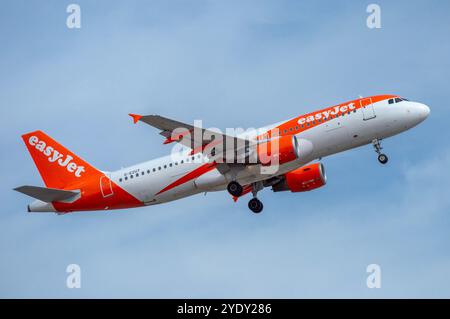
x=280, y=156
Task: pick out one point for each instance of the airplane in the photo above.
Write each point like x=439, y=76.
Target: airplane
x=284, y=156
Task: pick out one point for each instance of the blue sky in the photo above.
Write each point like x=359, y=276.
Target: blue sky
x=230, y=64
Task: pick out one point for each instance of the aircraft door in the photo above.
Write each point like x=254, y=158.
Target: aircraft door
x=367, y=109
x=106, y=186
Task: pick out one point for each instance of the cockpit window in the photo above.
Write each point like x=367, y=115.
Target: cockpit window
x=396, y=100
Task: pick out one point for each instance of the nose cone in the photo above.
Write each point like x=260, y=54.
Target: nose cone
x=418, y=112
x=422, y=111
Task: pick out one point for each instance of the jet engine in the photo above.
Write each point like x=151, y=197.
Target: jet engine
x=302, y=179
x=278, y=151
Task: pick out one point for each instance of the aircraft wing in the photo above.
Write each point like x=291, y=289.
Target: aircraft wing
x=196, y=138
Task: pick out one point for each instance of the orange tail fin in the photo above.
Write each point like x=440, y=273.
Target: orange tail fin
x=58, y=166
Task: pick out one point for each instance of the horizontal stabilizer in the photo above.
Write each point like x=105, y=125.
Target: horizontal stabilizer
x=47, y=195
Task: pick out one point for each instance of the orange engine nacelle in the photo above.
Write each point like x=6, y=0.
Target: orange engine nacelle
x=278, y=151
x=302, y=179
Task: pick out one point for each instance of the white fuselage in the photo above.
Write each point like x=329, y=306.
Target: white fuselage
x=381, y=120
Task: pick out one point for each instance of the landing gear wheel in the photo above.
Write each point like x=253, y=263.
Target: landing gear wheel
x=382, y=158
x=235, y=189
x=255, y=205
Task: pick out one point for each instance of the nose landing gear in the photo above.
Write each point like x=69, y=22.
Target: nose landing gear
x=382, y=158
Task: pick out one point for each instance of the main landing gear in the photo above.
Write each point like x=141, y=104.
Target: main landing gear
x=255, y=205
x=382, y=158
x=235, y=189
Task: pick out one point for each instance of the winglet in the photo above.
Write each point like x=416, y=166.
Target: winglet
x=136, y=117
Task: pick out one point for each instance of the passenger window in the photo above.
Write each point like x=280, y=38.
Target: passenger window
x=120, y=180
x=142, y=173
x=182, y=162
x=148, y=171
x=137, y=174
x=126, y=178
x=170, y=165
x=165, y=166
x=131, y=176
x=159, y=168
x=154, y=169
